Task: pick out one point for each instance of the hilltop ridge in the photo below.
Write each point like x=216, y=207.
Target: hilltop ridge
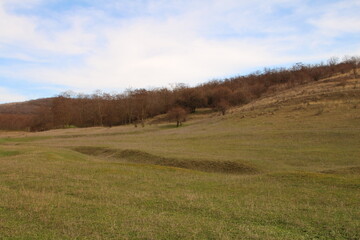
x=136, y=106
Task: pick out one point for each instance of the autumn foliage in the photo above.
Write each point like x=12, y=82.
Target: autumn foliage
x=135, y=106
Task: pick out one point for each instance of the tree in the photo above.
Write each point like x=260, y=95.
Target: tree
x=190, y=98
x=222, y=106
x=219, y=99
x=140, y=101
x=332, y=62
x=354, y=62
x=316, y=72
x=240, y=97
x=178, y=114
x=61, y=109
x=98, y=99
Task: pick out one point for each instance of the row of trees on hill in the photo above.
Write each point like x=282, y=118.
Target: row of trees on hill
x=16, y=121
x=134, y=106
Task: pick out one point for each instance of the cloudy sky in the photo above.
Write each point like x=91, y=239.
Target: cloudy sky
x=50, y=46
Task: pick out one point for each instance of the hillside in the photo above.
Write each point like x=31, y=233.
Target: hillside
x=23, y=115
x=285, y=166
x=23, y=108
x=331, y=91
x=135, y=106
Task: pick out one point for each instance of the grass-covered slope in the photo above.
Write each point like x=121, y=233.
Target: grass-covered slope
x=296, y=155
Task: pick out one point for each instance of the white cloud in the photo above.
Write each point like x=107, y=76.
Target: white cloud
x=38, y=39
x=165, y=41
x=339, y=18
x=7, y=95
x=154, y=53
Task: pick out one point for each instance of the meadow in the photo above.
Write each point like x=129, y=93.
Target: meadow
x=284, y=167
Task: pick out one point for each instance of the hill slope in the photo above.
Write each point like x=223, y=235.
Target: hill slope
x=28, y=107
x=296, y=155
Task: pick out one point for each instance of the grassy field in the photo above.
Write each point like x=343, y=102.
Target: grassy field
x=284, y=167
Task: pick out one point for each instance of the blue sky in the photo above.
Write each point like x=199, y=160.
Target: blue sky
x=50, y=46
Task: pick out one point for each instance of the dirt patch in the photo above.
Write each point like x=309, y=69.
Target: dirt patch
x=136, y=156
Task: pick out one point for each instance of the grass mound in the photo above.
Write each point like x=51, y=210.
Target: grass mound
x=95, y=151
x=137, y=156
x=348, y=170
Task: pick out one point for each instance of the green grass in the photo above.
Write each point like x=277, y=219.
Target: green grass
x=5, y=153
x=307, y=185
x=21, y=139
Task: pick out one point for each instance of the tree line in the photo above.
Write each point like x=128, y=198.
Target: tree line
x=135, y=106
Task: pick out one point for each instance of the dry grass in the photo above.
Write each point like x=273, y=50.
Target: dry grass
x=137, y=156
x=307, y=184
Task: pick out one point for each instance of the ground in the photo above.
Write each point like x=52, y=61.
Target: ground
x=296, y=156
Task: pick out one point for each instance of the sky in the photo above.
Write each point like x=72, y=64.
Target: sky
x=51, y=46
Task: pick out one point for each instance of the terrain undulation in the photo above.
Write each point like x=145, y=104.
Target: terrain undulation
x=286, y=166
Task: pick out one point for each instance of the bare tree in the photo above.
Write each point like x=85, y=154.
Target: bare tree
x=178, y=114
x=190, y=98
x=222, y=106
x=354, y=62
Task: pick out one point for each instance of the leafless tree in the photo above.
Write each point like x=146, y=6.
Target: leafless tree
x=178, y=114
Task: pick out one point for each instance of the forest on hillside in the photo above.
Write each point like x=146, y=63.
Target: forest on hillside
x=135, y=106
